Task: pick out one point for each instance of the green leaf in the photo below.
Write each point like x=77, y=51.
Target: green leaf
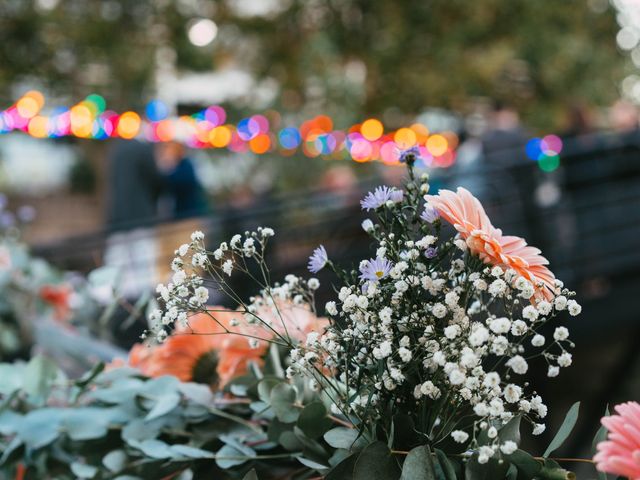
x=343, y=470
x=40, y=427
x=418, y=465
x=164, y=405
x=601, y=436
x=343, y=437
x=525, y=463
x=85, y=423
x=265, y=386
x=153, y=448
x=312, y=464
x=511, y=431
x=138, y=430
x=39, y=375
x=251, y=475
x=115, y=460
x=196, y=392
x=82, y=470
x=447, y=468
x=88, y=377
x=191, y=452
x=282, y=399
x=376, y=462
x=229, y=456
x=565, y=429
x=12, y=376
x=313, y=420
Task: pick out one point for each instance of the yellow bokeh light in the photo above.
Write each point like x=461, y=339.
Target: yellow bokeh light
x=405, y=138
x=128, y=125
x=36, y=96
x=421, y=131
x=38, y=126
x=27, y=107
x=372, y=129
x=220, y=136
x=437, y=145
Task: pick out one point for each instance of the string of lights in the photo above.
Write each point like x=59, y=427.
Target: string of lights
x=208, y=128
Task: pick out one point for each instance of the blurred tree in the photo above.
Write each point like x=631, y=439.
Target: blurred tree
x=347, y=58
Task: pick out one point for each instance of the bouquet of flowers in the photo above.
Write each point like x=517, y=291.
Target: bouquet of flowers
x=421, y=360
x=416, y=370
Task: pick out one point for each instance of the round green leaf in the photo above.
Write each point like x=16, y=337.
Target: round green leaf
x=82, y=470
x=313, y=420
x=376, y=461
x=115, y=460
x=418, y=465
x=282, y=399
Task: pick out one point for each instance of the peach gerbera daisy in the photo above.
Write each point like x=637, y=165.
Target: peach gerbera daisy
x=202, y=351
x=289, y=319
x=465, y=212
x=620, y=453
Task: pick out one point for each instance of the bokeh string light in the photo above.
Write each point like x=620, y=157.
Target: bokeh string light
x=546, y=151
x=209, y=128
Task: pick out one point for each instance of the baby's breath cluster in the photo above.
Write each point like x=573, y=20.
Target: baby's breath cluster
x=439, y=328
x=425, y=328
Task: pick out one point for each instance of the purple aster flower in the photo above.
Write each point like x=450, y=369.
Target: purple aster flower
x=431, y=252
x=380, y=196
x=410, y=154
x=318, y=260
x=375, y=269
x=430, y=214
x=397, y=195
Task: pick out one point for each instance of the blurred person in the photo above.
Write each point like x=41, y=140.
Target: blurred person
x=133, y=187
x=505, y=131
x=578, y=121
x=182, y=188
x=339, y=187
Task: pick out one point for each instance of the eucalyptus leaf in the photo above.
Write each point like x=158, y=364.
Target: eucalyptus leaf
x=82, y=470
x=39, y=375
x=312, y=464
x=191, y=452
x=343, y=437
x=115, y=460
x=418, y=465
x=511, y=430
x=85, y=423
x=528, y=466
x=343, y=470
x=376, y=461
x=251, y=475
x=282, y=399
x=164, y=405
x=448, y=470
x=153, y=448
x=313, y=420
x=196, y=392
x=565, y=429
x=40, y=427
x=229, y=456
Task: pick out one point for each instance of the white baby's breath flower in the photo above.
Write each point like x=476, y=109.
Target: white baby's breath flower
x=560, y=334
x=367, y=225
x=544, y=307
x=537, y=340
x=500, y=325
x=553, y=371
x=565, y=359
x=235, y=241
x=480, y=285
x=530, y=313
x=560, y=302
x=459, y=436
x=508, y=447
x=197, y=236
x=331, y=309
x=439, y=310
x=518, y=328
x=539, y=428
x=518, y=364
x=574, y=308
x=497, y=288
x=183, y=249
x=227, y=267
x=313, y=283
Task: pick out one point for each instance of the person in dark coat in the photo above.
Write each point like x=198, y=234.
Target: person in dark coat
x=182, y=186
x=134, y=185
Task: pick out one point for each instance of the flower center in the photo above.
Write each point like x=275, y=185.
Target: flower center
x=379, y=273
x=205, y=369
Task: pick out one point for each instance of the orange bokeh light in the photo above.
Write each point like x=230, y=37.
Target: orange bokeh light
x=220, y=137
x=421, y=131
x=372, y=129
x=260, y=144
x=39, y=126
x=128, y=125
x=27, y=107
x=437, y=145
x=405, y=138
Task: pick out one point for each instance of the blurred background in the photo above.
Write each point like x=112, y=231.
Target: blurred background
x=127, y=124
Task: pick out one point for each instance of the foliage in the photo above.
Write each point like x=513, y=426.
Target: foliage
x=349, y=58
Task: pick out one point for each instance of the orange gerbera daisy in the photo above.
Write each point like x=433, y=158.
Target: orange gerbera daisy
x=465, y=212
x=202, y=351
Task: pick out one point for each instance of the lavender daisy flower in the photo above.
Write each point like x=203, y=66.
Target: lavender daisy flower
x=396, y=195
x=375, y=269
x=410, y=154
x=431, y=252
x=380, y=196
x=318, y=260
x=430, y=214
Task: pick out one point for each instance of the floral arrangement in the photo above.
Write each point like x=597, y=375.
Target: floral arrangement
x=416, y=372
